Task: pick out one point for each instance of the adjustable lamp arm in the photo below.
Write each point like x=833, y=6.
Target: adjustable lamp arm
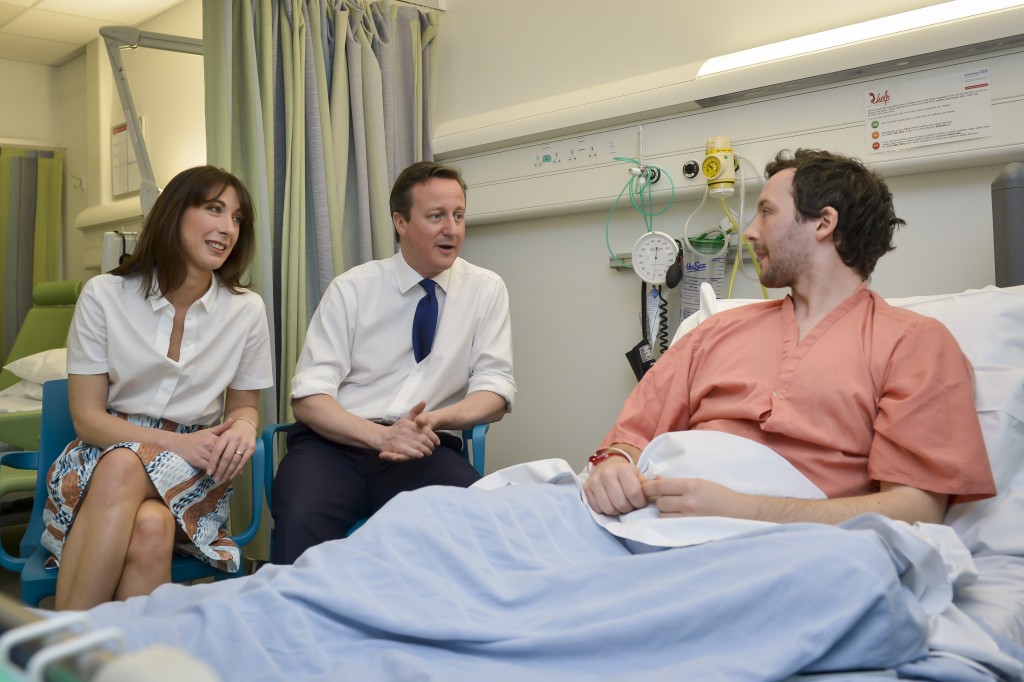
x=116, y=38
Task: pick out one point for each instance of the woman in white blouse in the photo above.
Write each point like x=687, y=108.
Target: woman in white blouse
x=159, y=351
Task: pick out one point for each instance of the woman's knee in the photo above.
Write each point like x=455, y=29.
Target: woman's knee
x=153, y=533
x=117, y=474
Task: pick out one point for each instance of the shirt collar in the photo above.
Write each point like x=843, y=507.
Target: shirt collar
x=409, y=278
x=208, y=299
x=860, y=294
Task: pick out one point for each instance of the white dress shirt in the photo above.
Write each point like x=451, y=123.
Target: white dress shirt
x=358, y=347
x=118, y=332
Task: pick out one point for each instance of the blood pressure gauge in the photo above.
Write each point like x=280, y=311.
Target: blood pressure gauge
x=653, y=253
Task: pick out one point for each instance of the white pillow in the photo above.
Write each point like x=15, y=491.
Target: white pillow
x=41, y=367
x=989, y=326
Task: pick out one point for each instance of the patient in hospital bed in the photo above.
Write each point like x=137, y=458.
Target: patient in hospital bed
x=872, y=403
x=512, y=579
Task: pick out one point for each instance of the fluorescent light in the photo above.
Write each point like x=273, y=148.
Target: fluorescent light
x=855, y=33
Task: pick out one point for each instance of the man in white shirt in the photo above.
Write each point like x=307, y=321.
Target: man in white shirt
x=376, y=390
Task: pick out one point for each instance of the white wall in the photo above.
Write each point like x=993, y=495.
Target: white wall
x=73, y=98
x=28, y=108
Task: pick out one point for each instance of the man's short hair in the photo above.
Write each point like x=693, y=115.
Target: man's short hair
x=418, y=174
x=863, y=201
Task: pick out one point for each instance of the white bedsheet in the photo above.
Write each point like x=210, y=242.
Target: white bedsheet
x=996, y=598
x=732, y=461
x=517, y=583
x=17, y=403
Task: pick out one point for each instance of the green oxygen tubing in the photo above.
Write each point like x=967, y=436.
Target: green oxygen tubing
x=639, y=186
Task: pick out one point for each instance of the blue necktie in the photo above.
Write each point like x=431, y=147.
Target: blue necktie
x=424, y=322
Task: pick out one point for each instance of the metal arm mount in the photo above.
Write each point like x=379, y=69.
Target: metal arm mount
x=117, y=38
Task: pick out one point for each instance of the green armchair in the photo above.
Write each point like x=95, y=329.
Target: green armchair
x=45, y=327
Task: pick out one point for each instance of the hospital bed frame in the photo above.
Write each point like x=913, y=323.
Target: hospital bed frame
x=61, y=649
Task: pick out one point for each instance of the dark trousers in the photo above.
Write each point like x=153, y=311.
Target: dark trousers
x=323, y=488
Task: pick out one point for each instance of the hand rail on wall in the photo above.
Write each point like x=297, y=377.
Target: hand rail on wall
x=117, y=38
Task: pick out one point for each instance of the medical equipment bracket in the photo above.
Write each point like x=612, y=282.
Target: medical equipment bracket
x=117, y=38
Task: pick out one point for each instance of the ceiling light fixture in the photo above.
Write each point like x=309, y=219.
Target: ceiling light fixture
x=855, y=33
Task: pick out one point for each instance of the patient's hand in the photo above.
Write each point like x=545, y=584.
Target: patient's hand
x=696, y=497
x=614, y=487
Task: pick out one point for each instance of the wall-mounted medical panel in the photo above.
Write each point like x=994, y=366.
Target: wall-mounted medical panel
x=563, y=175
x=573, y=174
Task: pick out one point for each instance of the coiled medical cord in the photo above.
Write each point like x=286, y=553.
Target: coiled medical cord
x=662, y=321
x=662, y=332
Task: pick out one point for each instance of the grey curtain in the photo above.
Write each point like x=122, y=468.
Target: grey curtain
x=317, y=105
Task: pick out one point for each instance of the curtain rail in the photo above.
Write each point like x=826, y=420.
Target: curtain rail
x=25, y=144
x=440, y=5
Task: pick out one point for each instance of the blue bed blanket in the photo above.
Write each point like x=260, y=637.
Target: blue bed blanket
x=519, y=583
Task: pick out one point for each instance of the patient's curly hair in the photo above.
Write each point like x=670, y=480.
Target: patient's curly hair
x=867, y=220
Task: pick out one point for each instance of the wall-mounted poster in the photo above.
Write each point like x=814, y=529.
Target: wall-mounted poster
x=946, y=108
x=125, y=177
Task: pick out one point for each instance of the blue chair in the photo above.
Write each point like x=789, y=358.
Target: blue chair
x=473, y=449
x=39, y=581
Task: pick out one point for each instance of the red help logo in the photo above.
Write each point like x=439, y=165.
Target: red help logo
x=879, y=98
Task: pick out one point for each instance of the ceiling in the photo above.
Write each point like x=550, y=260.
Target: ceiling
x=51, y=32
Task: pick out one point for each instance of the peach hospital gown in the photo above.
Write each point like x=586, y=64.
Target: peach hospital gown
x=873, y=393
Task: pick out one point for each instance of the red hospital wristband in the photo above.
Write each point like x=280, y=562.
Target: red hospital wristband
x=594, y=460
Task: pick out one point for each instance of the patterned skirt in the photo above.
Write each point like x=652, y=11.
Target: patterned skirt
x=199, y=506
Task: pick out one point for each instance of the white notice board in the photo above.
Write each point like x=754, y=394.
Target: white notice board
x=948, y=108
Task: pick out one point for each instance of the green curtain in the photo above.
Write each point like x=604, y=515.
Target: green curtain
x=317, y=105
x=31, y=215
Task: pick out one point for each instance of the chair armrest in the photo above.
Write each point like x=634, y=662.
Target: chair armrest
x=270, y=431
x=473, y=446
x=20, y=459
x=16, y=460
x=21, y=429
x=11, y=563
x=257, y=470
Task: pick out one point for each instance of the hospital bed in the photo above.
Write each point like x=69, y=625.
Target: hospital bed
x=514, y=580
